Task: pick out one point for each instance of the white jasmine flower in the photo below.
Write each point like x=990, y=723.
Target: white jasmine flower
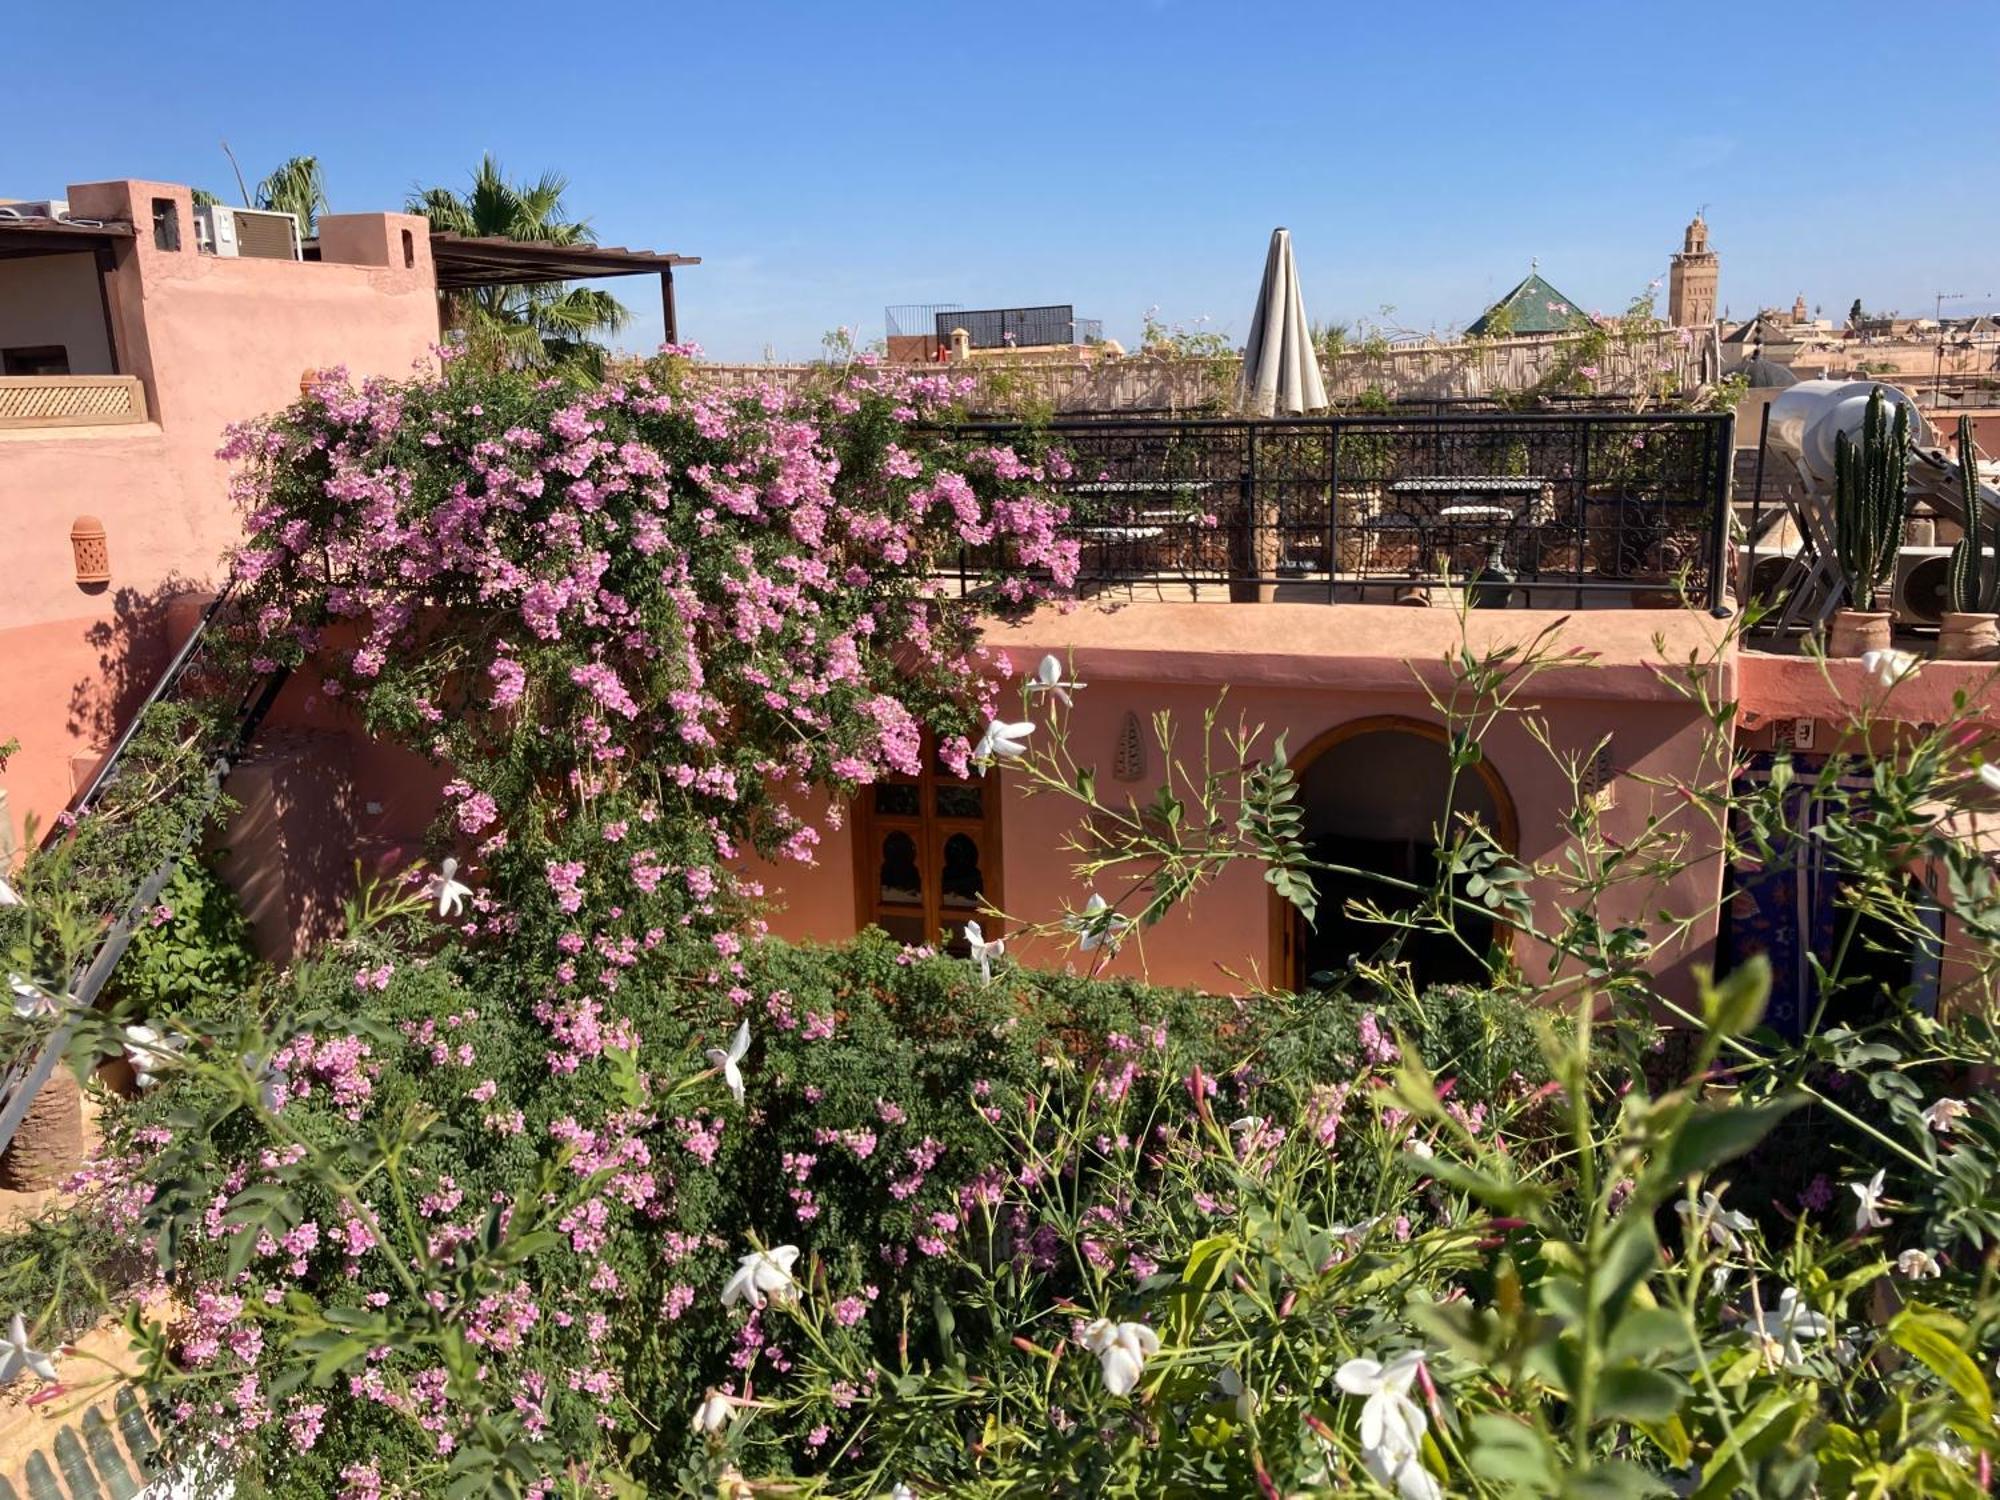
x=449, y=890
x=1097, y=925
x=30, y=999
x=1121, y=1350
x=983, y=952
x=761, y=1275
x=16, y=1355
x=1048, y=678
x=717, y=1410
x=1890, y=667
x=1918, y=1265
x=150, y=1053
x=1002, y=741
x=1353, y=1233
x=902, y=1492
x=1724, y=1226
x=727, y=1062
x=1392, y=1425
x=1229, y=1383
x=1945, y=1114
x=1780, y=1329
x=1869, y=1215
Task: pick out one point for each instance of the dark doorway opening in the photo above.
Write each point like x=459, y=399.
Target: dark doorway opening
x=1378, y=799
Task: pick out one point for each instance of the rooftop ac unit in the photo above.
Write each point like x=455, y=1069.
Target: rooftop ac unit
x=249, y=233
x=1922, y=591
x=36, y=208
x=1773, y=577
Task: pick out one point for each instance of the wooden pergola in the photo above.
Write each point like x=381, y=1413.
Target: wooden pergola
x=465, y=261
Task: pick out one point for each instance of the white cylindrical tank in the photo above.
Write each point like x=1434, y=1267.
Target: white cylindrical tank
x=1807, y=418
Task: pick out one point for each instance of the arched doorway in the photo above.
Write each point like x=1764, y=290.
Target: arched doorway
x=1374, y=792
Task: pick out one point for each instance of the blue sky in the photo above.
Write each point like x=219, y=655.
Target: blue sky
x=827, y=159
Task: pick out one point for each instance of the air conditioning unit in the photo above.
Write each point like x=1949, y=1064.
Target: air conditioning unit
x=1922, y=591
x=249, y=233
x=1772, y=575
x=37, y=208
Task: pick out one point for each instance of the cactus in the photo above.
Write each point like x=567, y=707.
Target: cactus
x=1974, y=578
x=1870, y=500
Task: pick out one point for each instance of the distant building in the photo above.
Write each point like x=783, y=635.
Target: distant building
x=1692, y=279
x=1533, y=307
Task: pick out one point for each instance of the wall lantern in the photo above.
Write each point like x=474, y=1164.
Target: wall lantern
x=93, y=552
x=1129, y=761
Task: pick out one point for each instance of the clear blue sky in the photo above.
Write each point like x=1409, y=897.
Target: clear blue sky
x=828, y=158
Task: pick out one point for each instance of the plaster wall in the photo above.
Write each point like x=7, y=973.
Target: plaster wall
x=214, y=341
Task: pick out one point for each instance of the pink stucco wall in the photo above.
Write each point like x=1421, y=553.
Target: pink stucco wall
x=214, y=341
x=1304, y=670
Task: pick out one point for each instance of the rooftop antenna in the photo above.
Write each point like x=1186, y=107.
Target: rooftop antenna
x=239, y=173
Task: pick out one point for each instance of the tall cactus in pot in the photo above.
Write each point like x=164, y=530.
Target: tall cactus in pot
x=1870, y=500
x=1974, y=577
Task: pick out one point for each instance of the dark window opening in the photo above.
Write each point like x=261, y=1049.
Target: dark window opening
x=409, y=248
x=35, y=359
x=166, y=224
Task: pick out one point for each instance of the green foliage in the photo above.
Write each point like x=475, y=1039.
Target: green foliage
x=193, y=945
x=543, y=327
x=295, y=187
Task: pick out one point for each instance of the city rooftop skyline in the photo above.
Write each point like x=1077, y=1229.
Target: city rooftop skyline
x=826, y=163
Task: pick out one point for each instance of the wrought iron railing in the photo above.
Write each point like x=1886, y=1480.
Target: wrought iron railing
x=1547, y=509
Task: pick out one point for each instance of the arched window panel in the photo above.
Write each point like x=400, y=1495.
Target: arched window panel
x=928, y=856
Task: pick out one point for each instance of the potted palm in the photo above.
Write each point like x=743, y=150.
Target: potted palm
x=1970, y=629
x=1870, y=504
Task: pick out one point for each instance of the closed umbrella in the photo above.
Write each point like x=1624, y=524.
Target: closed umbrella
x=1280, y=366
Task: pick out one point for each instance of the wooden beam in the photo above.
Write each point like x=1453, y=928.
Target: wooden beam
x=672, y=320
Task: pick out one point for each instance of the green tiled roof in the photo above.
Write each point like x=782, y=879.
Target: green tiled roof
x=1532, y=307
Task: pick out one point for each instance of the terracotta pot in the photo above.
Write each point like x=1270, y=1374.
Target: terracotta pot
x=1968, y=637
x=1656, y=598
x=1855, y=632
x=49, y=1144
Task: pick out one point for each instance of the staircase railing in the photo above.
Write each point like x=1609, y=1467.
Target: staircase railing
x=20, y=1084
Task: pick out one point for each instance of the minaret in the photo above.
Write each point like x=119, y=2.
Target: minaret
x=1691, y=281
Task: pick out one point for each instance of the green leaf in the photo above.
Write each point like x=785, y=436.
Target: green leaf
x=1939, y=1341
x=1737, y=1004
x=1633, y=1393
x=1715, y=1134
x=1510, y=1452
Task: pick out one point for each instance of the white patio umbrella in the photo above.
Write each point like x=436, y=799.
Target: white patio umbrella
x=1280, y=366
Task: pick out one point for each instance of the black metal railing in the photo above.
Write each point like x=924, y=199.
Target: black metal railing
x=1017, y=327
x=1554, y=509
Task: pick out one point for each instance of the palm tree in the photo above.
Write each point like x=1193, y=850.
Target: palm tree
x=522, y=327
x=296, y=188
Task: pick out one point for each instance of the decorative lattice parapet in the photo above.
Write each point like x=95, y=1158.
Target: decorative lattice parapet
x=70, y=400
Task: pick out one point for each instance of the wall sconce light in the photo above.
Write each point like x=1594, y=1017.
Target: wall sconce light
x=1129, y=763
x=93, y=551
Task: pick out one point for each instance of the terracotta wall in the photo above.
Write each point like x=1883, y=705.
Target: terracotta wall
x=214, y=341
x=1305, y=670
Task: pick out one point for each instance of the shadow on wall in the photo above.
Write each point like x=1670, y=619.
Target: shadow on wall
x=132, y=647
x=289, y=843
